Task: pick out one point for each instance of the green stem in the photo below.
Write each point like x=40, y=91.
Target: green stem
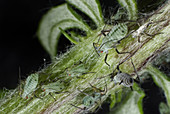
x=142, y=53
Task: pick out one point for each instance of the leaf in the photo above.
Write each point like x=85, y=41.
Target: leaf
x=161, y=80
x=60, y=16
x=132, y=102
x=65, y=17
x=68, y=37
x=91, y=8
x=164, y=108
x=131, y=7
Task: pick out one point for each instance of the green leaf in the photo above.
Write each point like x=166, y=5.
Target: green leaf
x=132, y=102
x=60, y=16
x=164, y=108
x=161, y=80
x=67, y=36
x=131, y=7
x=91, y=8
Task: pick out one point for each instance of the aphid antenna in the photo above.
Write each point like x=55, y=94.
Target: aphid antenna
x=83, y=92
x=102, y=33
x=105, y=76
x=126, y=36
x=62, y=92
x=95, y=88
x=85, y=109
x=95, y=48
x=78, y=107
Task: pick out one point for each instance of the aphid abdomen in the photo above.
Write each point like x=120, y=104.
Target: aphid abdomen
x=118, y=32
x=123, y=79
x=30, y=85
x=88, y=101
x=53, y=87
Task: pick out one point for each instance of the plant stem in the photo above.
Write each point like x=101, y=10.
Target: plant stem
x=141, y=53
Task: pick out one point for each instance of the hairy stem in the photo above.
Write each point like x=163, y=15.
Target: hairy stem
x=141, y=53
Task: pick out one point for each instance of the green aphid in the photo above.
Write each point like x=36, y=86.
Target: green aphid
x=111, y=40
x=91, y=99
x=30, y=85
x=77, y=70
x=54, y=87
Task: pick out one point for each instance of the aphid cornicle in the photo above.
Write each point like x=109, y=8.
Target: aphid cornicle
x=30, y=85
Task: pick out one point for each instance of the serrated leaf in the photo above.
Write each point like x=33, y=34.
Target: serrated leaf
x=131, y=7
x=132, y=102
x=60, y=16
x=161, y=80
x=91, y=8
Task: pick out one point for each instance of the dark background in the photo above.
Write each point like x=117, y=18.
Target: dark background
x=19, y=45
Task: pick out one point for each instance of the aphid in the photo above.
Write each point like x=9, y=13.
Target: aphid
x=54, y=87
x=124, y=78
x=89, y=100
x=141, y=30
x=110, y=41
x=30, y=85
x=77, y=70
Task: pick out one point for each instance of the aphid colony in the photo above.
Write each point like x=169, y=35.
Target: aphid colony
x=77, y=70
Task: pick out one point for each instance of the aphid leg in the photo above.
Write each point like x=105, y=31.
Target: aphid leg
x=37, y=97
x=152, y=35
x=118, y=42
x=62, y=92
x=137, y=81
x=29, y=101
x=138, y=39
x=131, y=88
x=103, y=32
x=126, y=36
x=98, y=109
x=88, y=72
x=121, y=82
x=135, y=70
x=106, y=59
x=105, y=89
x=83, y=92
x=78, y=63
x=52, y=96
x=100, y=106
x=105, y=76
x=95, y=49
x=119, y=51
x=119, y=71
x=78, y=107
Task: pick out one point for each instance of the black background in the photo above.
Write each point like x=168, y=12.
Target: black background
x=19, y=45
